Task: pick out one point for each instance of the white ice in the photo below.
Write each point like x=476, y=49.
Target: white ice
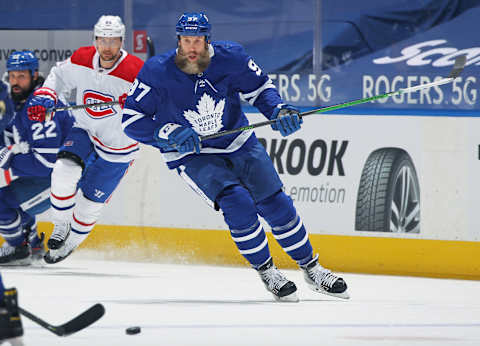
x=204, y=305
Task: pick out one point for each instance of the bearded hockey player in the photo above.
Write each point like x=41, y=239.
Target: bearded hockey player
x=28, y=152
x=195, y=90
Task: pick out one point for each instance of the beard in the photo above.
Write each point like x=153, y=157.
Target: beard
x=20, y=97
x=182, y=62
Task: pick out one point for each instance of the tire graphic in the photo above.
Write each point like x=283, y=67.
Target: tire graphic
x=388, y=198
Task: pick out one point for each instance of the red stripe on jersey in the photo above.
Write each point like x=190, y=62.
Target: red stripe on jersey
x=62, y=198
x=84, y=56
x=128, y=68
x=106, y=146
x=8, y=177
x=83, y=223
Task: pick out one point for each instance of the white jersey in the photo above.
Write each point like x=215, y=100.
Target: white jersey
x=94, y=84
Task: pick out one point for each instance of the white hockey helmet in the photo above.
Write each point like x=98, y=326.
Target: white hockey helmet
x=109, y=26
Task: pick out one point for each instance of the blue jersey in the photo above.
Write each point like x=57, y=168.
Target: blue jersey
x=44, y=139
x=208, y=102
x=6, y=107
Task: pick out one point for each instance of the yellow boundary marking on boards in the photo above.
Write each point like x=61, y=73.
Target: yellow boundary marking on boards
x=355, y=254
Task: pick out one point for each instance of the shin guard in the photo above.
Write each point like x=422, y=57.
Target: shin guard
x=287, y=226
x=241, y=217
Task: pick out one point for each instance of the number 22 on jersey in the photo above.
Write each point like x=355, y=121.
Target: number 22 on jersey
x=43, y=130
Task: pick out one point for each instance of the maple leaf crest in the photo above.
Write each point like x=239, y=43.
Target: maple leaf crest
x=208, y=117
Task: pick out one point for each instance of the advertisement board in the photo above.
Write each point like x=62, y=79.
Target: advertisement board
x=403, y=177
x=51, y=46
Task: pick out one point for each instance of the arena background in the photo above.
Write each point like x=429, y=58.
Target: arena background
x=387, y=187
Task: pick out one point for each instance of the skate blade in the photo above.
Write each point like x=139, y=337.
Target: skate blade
x=15, y=263
x=48, y=258
x=18, y=341
x=343, y=295
x=291, y=298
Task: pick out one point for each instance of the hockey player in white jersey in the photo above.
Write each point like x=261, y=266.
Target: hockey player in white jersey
x=195, y=90
x=97, y=154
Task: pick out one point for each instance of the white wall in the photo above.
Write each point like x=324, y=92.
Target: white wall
x=443, y=150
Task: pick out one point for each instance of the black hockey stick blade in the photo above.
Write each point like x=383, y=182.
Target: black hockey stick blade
x=458, y=66
x=80, y=322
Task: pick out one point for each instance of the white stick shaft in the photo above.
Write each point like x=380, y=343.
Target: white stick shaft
x=426, y=85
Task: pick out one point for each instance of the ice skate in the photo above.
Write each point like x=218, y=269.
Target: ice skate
x=10, y=322
x=61, y=230
x=55, y=256
x=275, y=282
x=38, y=247
x=71, y=243
x=15, y=255
x=323, y=280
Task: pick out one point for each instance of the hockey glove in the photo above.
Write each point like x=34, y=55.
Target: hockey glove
x=6, y=153
x=288, y=119
x=177, y=137
x=44, y=99
x=121, y=100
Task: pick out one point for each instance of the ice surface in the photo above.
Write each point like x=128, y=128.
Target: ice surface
x=204, y=305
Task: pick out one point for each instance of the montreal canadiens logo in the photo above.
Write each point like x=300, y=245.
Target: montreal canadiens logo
x=91, y=97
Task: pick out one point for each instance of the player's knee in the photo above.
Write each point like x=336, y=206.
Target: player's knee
x=238, y=207
x=66, y=171
x=86, y=210
x=67, y=155
x=277, y=209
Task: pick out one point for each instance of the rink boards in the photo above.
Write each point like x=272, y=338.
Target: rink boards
x=378, y=194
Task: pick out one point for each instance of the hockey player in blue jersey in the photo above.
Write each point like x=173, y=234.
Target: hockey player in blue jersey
x=6, y=107
x=28, y=152
x=195, y=91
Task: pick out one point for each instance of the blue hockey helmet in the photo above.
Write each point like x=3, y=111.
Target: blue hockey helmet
x=193, y=24
x=26, y=60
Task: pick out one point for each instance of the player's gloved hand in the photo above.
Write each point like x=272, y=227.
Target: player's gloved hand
x=44, y=99
x=121, y=99
x=7, y=153
x=20, y=148
x=288, y=119
x=180, y=138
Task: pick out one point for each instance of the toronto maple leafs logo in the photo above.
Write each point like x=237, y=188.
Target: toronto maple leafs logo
x=208, y=118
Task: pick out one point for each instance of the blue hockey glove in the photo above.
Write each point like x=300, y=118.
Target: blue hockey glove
x=177, y=137
x=287, y=118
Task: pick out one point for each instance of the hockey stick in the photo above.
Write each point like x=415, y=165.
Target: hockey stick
x=80, y=322
x=66, y=108
x=48, y=116
x=454, y=73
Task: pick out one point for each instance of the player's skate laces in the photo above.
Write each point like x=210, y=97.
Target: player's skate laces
x=15, y=255
x=276, y=283
x=323, y=280
x=61, y=230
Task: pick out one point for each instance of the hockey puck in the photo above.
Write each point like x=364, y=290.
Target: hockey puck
x=133, y=330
